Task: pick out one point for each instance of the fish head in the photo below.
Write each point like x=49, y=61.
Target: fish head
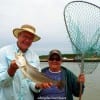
x=20, y=60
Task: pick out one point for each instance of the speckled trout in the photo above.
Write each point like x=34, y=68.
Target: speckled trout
x=33, y=73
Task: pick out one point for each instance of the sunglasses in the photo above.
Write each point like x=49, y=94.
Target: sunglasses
x=55, y=58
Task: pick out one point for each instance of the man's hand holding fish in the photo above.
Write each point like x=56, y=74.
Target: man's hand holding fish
x=15, y=64
x=43, y=85
x=12, y=69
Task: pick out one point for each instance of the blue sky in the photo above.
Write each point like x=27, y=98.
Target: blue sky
x=45, y=15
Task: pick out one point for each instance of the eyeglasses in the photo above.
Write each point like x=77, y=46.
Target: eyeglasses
x=56, y=59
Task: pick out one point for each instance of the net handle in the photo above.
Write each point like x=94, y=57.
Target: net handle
x=82, y=71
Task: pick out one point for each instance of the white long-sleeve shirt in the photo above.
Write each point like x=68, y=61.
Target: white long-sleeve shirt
x=17, y=87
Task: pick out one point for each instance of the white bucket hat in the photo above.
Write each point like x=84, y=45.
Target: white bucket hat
x=27, y=28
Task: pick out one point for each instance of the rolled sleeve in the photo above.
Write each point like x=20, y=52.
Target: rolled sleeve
x=32, y=86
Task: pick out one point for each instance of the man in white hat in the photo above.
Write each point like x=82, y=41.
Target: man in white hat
x=13, y=85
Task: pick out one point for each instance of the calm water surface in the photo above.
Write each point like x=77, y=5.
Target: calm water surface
x=92, y=85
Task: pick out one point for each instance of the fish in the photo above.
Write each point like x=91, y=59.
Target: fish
x=33, y=73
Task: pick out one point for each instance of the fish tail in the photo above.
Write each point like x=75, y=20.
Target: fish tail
x=60, y=84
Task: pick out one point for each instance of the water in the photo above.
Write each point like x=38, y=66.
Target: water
x=92, y=84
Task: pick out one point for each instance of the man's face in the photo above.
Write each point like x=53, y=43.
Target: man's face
x=55, y=62
x=25, y=40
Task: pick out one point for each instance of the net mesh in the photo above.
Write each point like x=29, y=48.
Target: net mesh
x=82, y=21
x=89, y=67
